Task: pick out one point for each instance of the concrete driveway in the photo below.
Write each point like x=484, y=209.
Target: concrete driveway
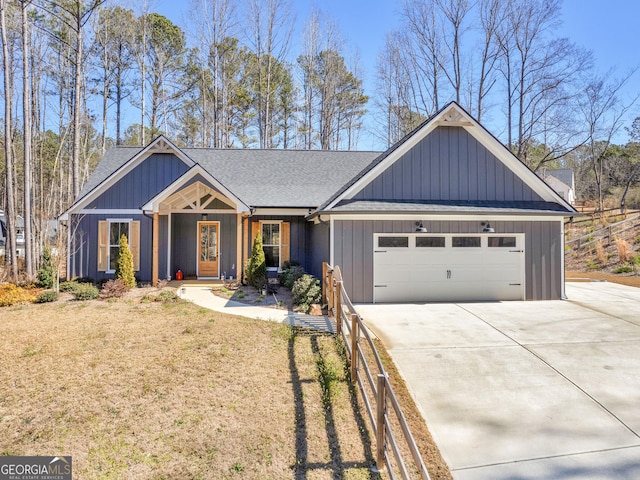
x=525, y=390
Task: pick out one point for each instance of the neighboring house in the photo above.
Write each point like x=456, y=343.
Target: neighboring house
x=563, y=182
x=19, y=234
x=448, y=213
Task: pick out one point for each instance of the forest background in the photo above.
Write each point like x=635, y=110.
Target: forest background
x=80, y=76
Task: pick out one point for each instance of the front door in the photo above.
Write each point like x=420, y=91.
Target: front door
x=208, y=250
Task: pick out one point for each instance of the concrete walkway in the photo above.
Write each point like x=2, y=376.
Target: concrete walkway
x=525, y=390
x=201, y=295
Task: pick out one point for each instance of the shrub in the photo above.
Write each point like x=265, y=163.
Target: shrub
x=48, y=296
x=306, y=291
x=257, y=266
x=289, y=276
x=69, y=286
x=167, y=296
x=46, y=272
x=625, y=269
x=124, y=268
x=114, y=289
x=86, y=291
x=11, y=294
x=625, y=251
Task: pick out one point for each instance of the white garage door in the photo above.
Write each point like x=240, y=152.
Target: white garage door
x=448, y=267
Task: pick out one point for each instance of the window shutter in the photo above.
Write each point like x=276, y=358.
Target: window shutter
x=103, y=246
x=255, y=229
x=134, y=244
x=285, y=242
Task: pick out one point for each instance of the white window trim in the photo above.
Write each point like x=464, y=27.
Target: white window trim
x=273, y=222
x=115, y=220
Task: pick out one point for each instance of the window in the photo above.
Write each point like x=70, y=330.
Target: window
x=430, y=242
x=109, y=233
x=465, y=242
x=116, y=230
x=271, y=243
x=393, y=242
x=502, y=242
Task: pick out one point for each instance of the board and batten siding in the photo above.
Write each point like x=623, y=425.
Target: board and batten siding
x=353, y=251
x=145, y=181
x=83, y=260
x=184, y=243
x=448, y=164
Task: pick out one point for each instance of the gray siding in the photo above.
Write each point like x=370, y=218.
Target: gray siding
x=184, y=243
x=142, y=183
x=298, y=240
x=318, y=247
x=353, y=252
x=448, y=164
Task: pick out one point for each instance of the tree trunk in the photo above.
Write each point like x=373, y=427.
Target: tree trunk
x=75, y=161
x=28, y=182
x=10, y=244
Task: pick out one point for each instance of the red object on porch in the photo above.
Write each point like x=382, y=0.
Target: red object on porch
x=179, y=275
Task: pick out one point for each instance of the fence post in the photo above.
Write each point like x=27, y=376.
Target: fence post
x=354, y=347
x=380, y=428
x=339, y=308
x=330, y=293
x=324, y=282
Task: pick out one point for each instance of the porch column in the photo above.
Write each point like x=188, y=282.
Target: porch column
x=156, y=237
x=239, y=247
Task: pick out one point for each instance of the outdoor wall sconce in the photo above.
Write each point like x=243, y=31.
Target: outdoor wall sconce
x=421, y=228
x=487, y=228
x=204, y=217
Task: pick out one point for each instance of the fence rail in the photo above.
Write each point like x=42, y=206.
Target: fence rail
x=381, y=404
x=608, y=232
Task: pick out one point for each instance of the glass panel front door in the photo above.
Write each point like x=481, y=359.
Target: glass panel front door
x=208, y=254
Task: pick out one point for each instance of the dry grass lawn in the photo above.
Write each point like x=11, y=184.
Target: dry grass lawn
x=155, y=391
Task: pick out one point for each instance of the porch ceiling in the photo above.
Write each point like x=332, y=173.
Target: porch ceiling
x=196, y=197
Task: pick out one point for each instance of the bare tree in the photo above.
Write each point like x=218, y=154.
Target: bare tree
x=603, y=114
x=10, y=244
x=270, y=26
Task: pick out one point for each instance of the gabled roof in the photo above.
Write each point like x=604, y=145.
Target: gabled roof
x=254, y=177
x=564, y=175
x=452, y=115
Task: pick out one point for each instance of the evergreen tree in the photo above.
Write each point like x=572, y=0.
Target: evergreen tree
x=257, y=266
x=124, y=269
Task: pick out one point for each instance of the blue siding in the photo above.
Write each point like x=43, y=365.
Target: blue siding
x=448, y=164
x=83, y=261
x=184, y=243
x=142, y=183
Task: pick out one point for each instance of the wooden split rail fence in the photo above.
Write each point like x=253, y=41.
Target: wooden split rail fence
x=608, y=233
x=385, y=413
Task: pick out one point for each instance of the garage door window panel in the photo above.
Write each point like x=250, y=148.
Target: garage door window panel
x=430, y=242
x=502, y=242
x=465, y=242
x=393, y=242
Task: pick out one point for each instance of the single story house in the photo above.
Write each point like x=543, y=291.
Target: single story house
x=446, y=214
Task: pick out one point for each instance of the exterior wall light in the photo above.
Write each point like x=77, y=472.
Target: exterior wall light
x=421, y=228
x=487, y=228
x=204, y=217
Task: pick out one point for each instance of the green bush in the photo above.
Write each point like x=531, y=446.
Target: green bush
x=69, y=286
x=46, y=272
x=306, y=291
x=257, y=266
x=290, y=274
x=48, y=296
x=124, y=268
x=167, y=296
x=625, y=269
x=86, y=291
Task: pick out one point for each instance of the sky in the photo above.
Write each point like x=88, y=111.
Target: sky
x=606, y=27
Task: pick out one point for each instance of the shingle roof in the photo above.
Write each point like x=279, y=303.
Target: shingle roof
x=261, y=178
x=449, y=207
x=565, y=175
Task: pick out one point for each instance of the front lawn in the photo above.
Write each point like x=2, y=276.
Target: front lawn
x=152, y=390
